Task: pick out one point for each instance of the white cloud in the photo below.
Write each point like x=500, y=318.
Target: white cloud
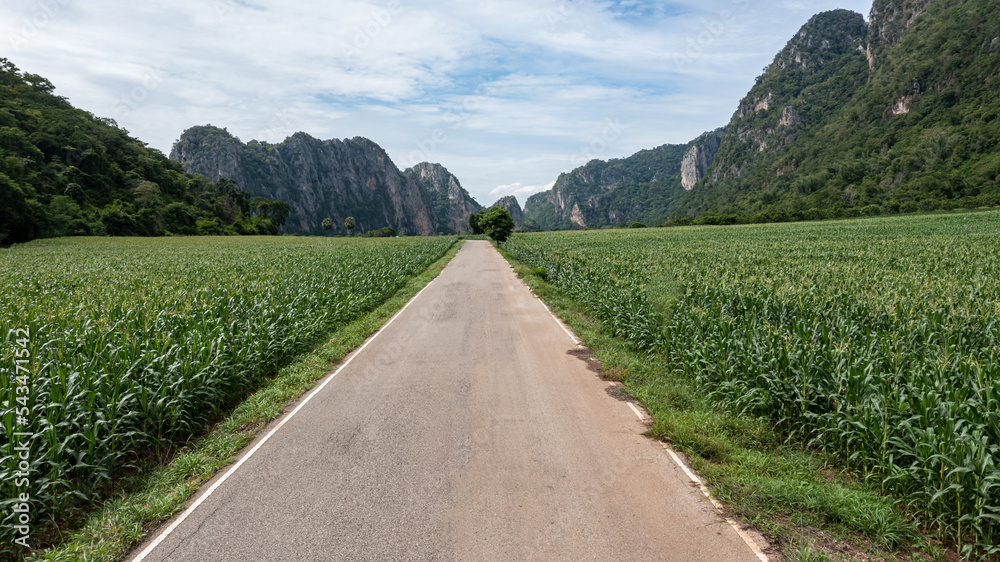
x=504, y=93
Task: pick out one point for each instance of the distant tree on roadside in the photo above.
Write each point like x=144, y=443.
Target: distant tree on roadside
x=497, y=224
x=327, y=223
x=474, y=222
x=349, y=224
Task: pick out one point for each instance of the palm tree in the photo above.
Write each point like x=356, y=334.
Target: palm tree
x=327, y=223
x=350, y=224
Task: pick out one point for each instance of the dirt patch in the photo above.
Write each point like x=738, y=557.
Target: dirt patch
x=587, y=356
x=613, y=374
x=617, y=391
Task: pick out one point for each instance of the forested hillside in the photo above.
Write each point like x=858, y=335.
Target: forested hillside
x=643, y=187
x=900, y=119
x=65, y=172
x=898, y=114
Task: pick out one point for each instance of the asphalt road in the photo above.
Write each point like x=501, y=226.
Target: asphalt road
x=466, y=430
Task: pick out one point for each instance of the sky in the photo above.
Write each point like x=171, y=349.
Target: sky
x=506, y=95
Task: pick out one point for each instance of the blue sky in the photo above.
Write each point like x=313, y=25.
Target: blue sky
x=506, y=94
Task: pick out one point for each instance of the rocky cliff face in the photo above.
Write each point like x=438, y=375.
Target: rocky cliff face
x=888, y=22
x=451, y=204
x=644, y=187
x=825, y=59
x=510, y=203
x=698, y=158
x=329, y=179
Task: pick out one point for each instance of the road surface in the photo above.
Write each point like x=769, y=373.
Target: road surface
x=466, y=430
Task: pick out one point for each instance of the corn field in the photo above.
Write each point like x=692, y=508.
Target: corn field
x=115, y=347
x=876, y=340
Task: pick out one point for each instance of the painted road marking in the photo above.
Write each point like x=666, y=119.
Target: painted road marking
x=642, y=417
x=566, y=329
x=718, y=507
x=704, y=490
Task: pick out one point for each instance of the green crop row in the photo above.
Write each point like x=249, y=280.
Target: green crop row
x=127, y=345
x=877, y=340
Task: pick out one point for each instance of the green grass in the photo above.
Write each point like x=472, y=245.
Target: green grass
x=861, y=347
x=123, y=317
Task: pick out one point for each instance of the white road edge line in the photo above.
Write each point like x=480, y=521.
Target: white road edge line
x=180, y=519
x=562, y=325
x=640, y=415
x=559, y=321
x=718, y=507
x=704, y=490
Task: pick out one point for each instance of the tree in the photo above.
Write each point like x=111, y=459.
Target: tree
x=147, y=194
x=178, y=218
x=279, y=212
x=327, y=223
x=16, y=221
x=349, y=224
x=386, y=232
x=76, y=192
x=474, y=222
x=497, y=224
x=119, y=221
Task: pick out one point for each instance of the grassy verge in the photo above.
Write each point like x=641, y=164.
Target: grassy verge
x=158, y=493
x=808, y=509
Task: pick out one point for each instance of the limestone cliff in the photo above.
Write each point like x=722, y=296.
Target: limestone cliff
x=451, y=204
x=823, y=61
x=896, y=114
x=330, y=179
x=889, y=21
x=513, y=207
x=698, y=158
x=644, y=187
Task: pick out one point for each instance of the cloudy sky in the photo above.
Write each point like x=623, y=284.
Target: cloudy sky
x=506, y=94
